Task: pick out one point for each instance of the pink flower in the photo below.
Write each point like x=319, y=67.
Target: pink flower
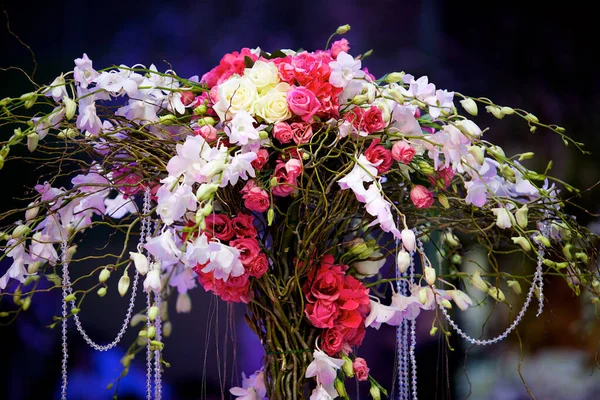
x=248, y=248
x=338, y=46
x=373, y=120
x=262, y=156
x=403, y=152
x=236, y=289
x=326, y=286
x=303, y=103
x=259, y=266
x=442, y=175
x=243, y=225
x=301, y=132
x=255, y=198
x=360, y=369
x=219, y=226
x=421, y=197
x=332, y=341
x=287, y=175
x=322, y=314
x=230, y=64
x=283, y=132
x=379, y=156
x=208, y=132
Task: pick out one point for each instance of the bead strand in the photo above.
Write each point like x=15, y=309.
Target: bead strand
x=65, y=352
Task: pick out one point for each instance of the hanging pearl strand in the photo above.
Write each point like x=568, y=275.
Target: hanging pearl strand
x=67, y=289
x=402, y=337
x=538, y=281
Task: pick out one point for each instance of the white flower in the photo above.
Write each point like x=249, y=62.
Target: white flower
x=120, y=206
x=460, y=298
x=403, y=260
x=183, y=304
x=504, y=218
x=369, y=267
x=239, y=166
x=324, y=369
x=197, y=161
x=237, y=93
x=241, y=128
x=344, y=69
x=140, y=261
x=224, y=261
x=253, y=387
x=116, y=82
x=42, y=248
x=164, y=248
x=469, y=127
x=408, y=239
x=273, y=107
x=17, y=269
x=262, y=74
x=57, y=88
x=429, y=275
x=152, y=281
x=197, y=252
x=319, y=393
x=380, y=313
x=83, y=73
x=173, y=205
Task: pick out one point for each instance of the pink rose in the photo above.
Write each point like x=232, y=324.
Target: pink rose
x=332, y=341
x=248, y=248
x=326, y=286
x=283, y=132
x=403, y=152
x=262, y=156
x=219, y=226
x=301, y=132
x=421, y=197
x=208, y=132
x=187, y=97
x=373, y=120
x=256, y=198
x=443, y=176
x=338, y=46
x=321, y=315
x=303, y=103
x=286, y=175
x=380, y=156
x=243, y=225
x=360, y=369
x=259, y=266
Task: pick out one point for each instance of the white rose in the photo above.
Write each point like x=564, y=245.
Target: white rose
x=368, y=267
x=263, y=75
x=273, y=107
x=235, y=94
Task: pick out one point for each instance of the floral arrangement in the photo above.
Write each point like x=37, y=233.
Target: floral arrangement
x=284, y=181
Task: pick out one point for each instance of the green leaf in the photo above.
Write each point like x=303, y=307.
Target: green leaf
x=277, y=54
x=248, y=61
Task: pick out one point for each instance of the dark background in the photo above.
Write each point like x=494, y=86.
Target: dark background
x=540, y=57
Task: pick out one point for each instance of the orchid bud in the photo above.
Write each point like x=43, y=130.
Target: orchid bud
x=430, y=276
x=403, y=261
x=521, y=216
x=29, y=99
x=342, y=29
x=126, y=362
x=478, y=282
x=34, y=267
x=140, y=261
x=32, y=141
x=183, y=304
x=451, y=239
x=123, y=285
x=70, y=107
x=137, y=318
x=446, y=304
x=394, y=77
x=167, y=329
x=543, y=240
x=526, y=156
x=523, y=242
x=561, y=265
x=477, y=153
x=206, y=190
x=75, y=311
x=70, y=297
x=71, y=252
x=443, y=200
x=5, y=101
x=396, y=95
x=508, y=173
x=101, y=292
x=496, y=293
x=31, y=212
x=507, y=110
x=26, y=303
x=151, y=332
x=567, y=251
x=200, y=110
x=408, y=239
x=469, y=105
x=423, y=295
x=515, y=286
x=531, y=118
x=495, y=111
x=206, y=210
x=20, y=231
x=347, y=367
x=104, y=275
x=143, y=334
x=153, y=313
x=497, y=151
x=433, y=330
x=360, y=99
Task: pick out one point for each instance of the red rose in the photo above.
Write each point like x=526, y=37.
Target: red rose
x=283, y=132
x=255, y=198
x=360, y=369
x=421, y=197
x=380, y=156
x=219, y=226
x=243, y=225
x=321, y=314
x=326, y=286
x=354, y=296
x=187, y=97
x=373, y=120
x=332, y=341
x=248, y=248
x=301, y=132
x=350, y=318
x=259, y=266
x=236, y=289
x=230, y=64
x=403, y=152
x=354, y=336
x=262, y=156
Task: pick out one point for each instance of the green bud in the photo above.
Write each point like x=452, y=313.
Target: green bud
x=515, y=286
x=29, y=99
x=34, y=267
x=582, y=257
x=423, y=295
x=143, y=333
x=206, y=191
x=526, y=156
x=533, y=129
x=263, y=135
x=126, y=360
x=347, y=367
x=496, y=293
x=168, y=119
x=123, y=284
x=495, y=111
x=470, y=106
x=342, y=29
x=104, y=275
x=4, y=314
x=543, y=240
x=507, y=110
x=531, y=118
x=200, y=110
x=206, y=121
x=451, y=239
x=425, y=167
x=456, y=259
x=496, y=151
x=477, y=153
x=273, y=182
x=270, y=216
x=137, y=318
x=523, y=242
x=340, y=388
x=358, y=248
x=167, y=329
x=101, y=292
x=151, y=332
x=157, y=344
x=567, y=251
x=433, y=330
x=5, y=101
x=394, y=77
x=75, y=311
x=367, y=54
x=508, y=173
x=26, y=303
x=32, y=141
x=70, y=297
x=20, y=231
x=305, y=156
x=443, y=200
x=375, y=392
x=446, y=303
x=54, y=279
x=153, y=313
x=360, y=99
x=521, y=216
x=561, y=265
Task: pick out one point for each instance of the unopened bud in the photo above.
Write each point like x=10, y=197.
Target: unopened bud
x=340, y=388
x=446, y=303
x=123, y=285
x=495, y=111
x=342, y=29
x=358, y=248
x=137, y=318
x=360, y=99
x=433, y=330
x=167, y=329
x=567, y=251
x=523, y=242
x=69, y=297
x=263, y=135
x=470, y=106
x=4, y=314
x=29, y=99
x=20, y=231
x=104, y=275
x=443, y=200
x=430, y=276
x=394, y=77
x=508, y=173
x=478, y=282
x=521, y=216
x=31, y=212
x=423, y=295
x=477, y=153
x=543, y=240
x=451, y=239
x=70, y=107
x=496, y=293
x=582, y=257
x=151, y=332
x=168, y=119
x=153, y=313
x=347, y=367
x=273, y=182
x=456, y=259
x=206, y=121
x=526, y=156
x=270, y=216
x=531, y=118
x=515, y=286
x=497, y=151
x=200, y=110
x=206, y=190
x=507, y=110
x=26, y=303
x=375, y=392
x=101, y=292
x=32, y=141
x=75, y=311
x=34, y=267
x=397, y=95
x=561, y=265
x=403, y=260
x=425, y=167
